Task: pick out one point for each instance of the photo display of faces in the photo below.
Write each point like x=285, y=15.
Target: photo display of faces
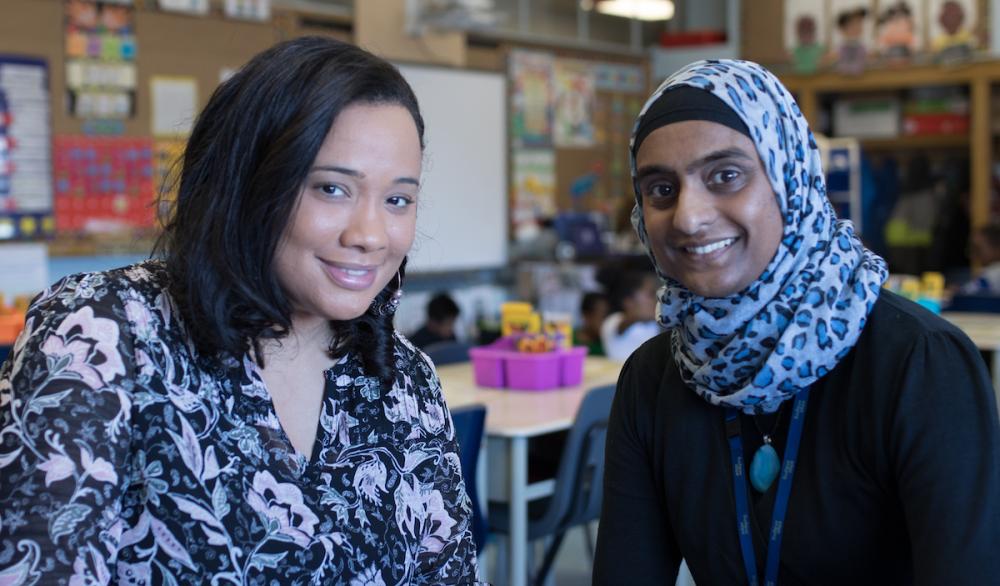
x=848, y=35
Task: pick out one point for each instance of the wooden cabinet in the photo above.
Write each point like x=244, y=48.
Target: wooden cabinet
x=976, y=78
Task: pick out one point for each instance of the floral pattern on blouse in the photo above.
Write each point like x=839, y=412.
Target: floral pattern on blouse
x=127, y=458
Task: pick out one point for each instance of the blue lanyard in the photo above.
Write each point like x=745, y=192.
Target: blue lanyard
x=781, y=499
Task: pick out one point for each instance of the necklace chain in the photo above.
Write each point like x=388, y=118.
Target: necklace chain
x=774, y=426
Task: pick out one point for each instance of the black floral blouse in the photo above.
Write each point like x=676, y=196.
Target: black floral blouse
x=127, y=458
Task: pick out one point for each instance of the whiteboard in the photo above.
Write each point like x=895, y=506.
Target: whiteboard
x=462, y=207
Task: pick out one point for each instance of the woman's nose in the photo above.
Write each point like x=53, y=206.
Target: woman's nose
x=694, y=211
x=366, y=229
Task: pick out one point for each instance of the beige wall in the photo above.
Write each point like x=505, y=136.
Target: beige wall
x=379, y=26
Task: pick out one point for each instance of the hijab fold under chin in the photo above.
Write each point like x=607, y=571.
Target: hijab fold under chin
x=791, y=326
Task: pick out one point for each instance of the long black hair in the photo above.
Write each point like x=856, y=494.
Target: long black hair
x=240, y=180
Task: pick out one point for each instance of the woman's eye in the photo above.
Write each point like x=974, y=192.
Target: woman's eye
x=332, y=190
x=724, y=177
x=660, y=190
x=399, y=201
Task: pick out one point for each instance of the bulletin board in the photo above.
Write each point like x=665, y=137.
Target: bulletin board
x=168, y=45
x=595, y=177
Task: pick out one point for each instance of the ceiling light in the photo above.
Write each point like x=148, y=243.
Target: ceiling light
x=637, y=9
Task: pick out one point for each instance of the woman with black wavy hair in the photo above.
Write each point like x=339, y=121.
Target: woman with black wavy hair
x=241, y=410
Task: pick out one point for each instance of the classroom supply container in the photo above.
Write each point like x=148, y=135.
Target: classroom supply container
x=500, y=366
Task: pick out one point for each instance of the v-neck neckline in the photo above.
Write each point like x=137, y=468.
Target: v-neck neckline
x=303, y=461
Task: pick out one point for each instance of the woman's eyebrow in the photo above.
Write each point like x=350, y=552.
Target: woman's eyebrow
x=359, y=174
x=648, y=170
x=722, y=154
x=730, y=153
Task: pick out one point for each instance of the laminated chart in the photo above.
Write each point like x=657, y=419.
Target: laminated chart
x=25, y=149
x=104, y=186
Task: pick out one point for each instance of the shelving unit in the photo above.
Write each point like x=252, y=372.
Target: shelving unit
x=932, y=141
x=978, y=79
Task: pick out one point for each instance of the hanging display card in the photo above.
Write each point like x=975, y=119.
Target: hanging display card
x=574, y=116
x=532, y=98
x=534, y=185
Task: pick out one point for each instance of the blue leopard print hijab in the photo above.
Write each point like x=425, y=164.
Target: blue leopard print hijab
x=761, y=346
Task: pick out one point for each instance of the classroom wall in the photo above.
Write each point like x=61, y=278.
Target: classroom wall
x=168, y=44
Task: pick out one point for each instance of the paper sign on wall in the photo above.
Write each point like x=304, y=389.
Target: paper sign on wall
x=175, y=105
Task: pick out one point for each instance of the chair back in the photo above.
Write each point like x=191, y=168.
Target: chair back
x=469, y=422
x=442, y=353
x=974, y=303
x=579, y=482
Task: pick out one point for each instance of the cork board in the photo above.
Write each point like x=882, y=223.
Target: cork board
x=377, y=26
x=762, y=36
x=168, y=44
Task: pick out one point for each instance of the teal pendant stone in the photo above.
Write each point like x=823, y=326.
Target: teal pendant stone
x=764, y=468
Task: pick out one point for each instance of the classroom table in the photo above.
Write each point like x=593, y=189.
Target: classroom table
x=512, y=418
x=984, y=331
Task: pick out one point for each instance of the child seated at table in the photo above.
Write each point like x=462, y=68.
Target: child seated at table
x=442, y=313
x=594, y=308
x=633, y=299
x=986, y=254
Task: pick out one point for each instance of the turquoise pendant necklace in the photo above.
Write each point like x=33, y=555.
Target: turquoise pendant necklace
x=766, y=464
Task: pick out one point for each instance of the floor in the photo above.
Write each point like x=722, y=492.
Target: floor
x=572, y=567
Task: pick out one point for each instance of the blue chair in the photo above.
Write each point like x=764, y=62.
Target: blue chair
x=579, y=483
x=442, y=353
x=974, y=303
x=469, y=424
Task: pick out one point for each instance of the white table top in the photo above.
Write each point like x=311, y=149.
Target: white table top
x=982, y=328
x=511, y=413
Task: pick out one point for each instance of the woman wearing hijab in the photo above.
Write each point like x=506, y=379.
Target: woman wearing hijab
x=784, y=354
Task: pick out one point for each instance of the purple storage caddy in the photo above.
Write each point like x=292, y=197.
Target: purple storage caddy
x=500, y=366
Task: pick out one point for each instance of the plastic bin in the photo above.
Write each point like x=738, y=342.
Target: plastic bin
x=499, y=366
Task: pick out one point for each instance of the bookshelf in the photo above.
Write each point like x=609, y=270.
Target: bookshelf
x=977, y=78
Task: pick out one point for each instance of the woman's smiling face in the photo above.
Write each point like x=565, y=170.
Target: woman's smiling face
x=712, y=218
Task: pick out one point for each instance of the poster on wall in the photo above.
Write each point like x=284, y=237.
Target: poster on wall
x=534, y=187
x=100, y=59
x=175, y=105
x=806, y=29
x=186, y=6
x=852, y=34
x=619, y=77
x=25, y=149
x=952, y=28
x=532, y=98
x=574, y=113
x=103, y=186
x=899, y=29
x=248, y=9
x=166, y=172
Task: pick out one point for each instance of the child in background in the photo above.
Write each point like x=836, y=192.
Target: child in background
x=633, y=299
x=594, y=307
x=442, y=312
x=986, y=254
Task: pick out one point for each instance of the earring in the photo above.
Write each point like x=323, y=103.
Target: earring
x=390, y=306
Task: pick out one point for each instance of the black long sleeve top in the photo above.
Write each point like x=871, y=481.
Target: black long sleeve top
x=897, y=480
